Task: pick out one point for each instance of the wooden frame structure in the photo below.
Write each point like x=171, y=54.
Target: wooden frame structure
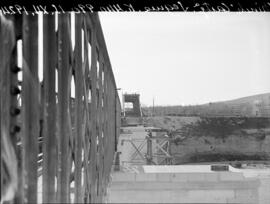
x=67, y=142
x=153, y=150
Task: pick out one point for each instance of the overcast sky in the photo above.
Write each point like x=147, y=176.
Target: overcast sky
x=189, y=58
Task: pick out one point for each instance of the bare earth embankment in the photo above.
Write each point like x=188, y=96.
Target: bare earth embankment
x=216, y=139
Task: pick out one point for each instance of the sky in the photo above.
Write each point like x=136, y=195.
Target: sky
x=189, y=58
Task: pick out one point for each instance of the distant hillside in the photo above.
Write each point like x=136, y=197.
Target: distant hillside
x=249, y=99
x=250, y=106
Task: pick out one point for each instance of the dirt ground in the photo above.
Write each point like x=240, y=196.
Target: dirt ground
x=216, y=139
x=169, y=122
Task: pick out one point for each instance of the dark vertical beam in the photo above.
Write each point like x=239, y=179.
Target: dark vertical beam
x=87, y=135
x=78, y=109
x=49, y=136
x=118, y=118
x=109, y=111
x=7, y=98
x=113, y=130
x=14, y=122
x=13, y=80
x=63, y=93
x=30, y=94
x=70, y=110
x=104, y=125
x=100, y=128
x=115, y=119
x=93, y=116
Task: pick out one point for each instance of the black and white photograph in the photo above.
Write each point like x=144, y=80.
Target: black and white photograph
x=102, y=106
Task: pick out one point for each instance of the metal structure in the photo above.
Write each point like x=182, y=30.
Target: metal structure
x=153, y=150
x=67, y=142
x=134, y=99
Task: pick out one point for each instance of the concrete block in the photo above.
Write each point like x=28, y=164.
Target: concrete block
x=195, y=176
x=141, y=196
x=124, y=197
x=121, y=177
x=263, y=191
x=166, y=177
x=210, y=196
x=172, y=196
x=244, y=196
x=248, y=194
x=242, y=201
x=211, y=177
x=230, y=176
x=179, y=177
x=146, y=177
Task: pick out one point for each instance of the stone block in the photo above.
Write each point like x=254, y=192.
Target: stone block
x=211, y=177
x=195, y=176
x=210, y=196
x=166, y=177
x=121, y=177
x=146, y=177
x=246, y=194
x=179, y=177
x=230, y=176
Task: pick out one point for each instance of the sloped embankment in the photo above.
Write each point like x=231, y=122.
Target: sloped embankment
x=217, y=139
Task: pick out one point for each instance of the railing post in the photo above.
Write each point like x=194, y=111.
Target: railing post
x=49, y=124
x=78, y=109
x=93, y=116
x=63, y=72
x=30, y=94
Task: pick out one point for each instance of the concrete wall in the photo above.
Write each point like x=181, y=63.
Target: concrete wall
x=214, y=187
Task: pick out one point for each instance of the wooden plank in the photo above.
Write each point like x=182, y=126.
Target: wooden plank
x=93, y=147
x=8, y=101
x=112, y=124
x=109, y=142
x=118, y=118
x=30, y=94
x=94, y=20
x=63, y=97
x=106, y=125
x=70, y=133
x=87, y=135
x=85, y=130
x=100, y=130
x=103, y=123
x=49, y=125
x=15, y=124
x=78, y=109
x=114, y=90
x=13, y=79
x=110, y=132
